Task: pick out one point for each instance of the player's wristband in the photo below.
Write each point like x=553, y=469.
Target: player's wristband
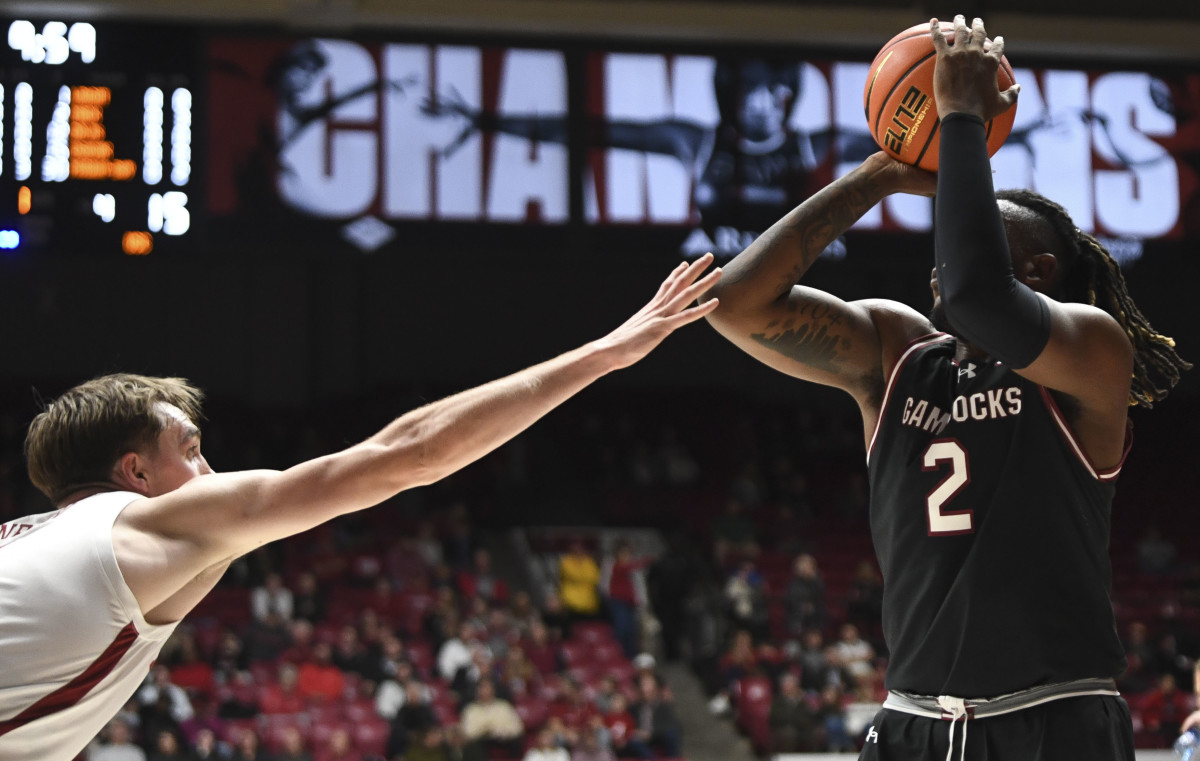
x=982, y=299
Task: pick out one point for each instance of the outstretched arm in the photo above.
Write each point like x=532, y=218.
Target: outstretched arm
x=534, y=127
x=803, y=331
x=1073, y=348
x=673, y=138
x=164, y=542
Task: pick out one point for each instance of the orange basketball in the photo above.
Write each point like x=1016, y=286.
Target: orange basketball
x=898, y=99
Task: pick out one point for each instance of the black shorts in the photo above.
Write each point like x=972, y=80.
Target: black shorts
x=1089, y=728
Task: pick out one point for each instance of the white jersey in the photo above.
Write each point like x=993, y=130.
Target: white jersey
x=74, y=646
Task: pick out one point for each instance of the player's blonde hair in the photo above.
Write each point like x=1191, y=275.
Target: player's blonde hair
x=78, y=438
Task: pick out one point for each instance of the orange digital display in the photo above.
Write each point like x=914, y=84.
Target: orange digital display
x=137, y=243
x=92, y=153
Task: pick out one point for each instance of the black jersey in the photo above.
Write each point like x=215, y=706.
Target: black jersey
x=992, y=531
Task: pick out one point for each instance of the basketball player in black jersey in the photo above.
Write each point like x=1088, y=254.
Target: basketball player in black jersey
x=994, y=432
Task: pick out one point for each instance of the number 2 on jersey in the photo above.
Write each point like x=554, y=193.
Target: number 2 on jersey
x=942, y=522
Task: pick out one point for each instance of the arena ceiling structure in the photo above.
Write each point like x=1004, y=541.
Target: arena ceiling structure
x=1163, y=30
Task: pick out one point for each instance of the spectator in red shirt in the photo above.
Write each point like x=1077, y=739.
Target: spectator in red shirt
x=300, y=649
x=542, y=653
x=622, y=730
x=741, y=660
x=384, y=601
x=1165, y=707
x=480, y=581
x=192, y=673
x=625, y=594
x=319, y=679
x=572, y=707
x=285, y=696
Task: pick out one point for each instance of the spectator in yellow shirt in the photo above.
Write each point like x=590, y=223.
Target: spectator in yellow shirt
x=578, y=577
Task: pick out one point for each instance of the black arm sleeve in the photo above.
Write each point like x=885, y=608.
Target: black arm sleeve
x=982, y=299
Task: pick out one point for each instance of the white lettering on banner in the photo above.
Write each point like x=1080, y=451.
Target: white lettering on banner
x=1085, y=140
x=1133, y=190
x=1142, y=200
x=413, y=157
x=533, y=82
x=643, y=186
x=327, y=165
x=377, y=149
x=357, y=137
x=908, y=212
x=1055, y=156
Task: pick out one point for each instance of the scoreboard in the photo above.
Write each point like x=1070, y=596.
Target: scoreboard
x=96, y=137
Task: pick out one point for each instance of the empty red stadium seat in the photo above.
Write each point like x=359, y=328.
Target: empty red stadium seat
x=446, y=712
x=606, y=652
x=234, y=729
x=273, y=728
x=359, y=710
x=322, y=731
x=533, y=712
x=621, y=671
x=420, y=653
x=574, y=652
x=592, y=632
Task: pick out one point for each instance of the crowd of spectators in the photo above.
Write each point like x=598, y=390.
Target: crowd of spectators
x=379, y=629
x=393, y=653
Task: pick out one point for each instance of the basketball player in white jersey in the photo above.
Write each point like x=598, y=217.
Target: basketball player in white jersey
x=144, y=528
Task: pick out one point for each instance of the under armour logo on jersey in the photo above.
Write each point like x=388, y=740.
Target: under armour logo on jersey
x=968, y=371
x=872, y=735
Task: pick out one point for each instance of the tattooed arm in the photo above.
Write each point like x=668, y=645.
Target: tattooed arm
x=806, y=332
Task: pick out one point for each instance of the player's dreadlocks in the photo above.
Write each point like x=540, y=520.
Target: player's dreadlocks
x=1094, y=277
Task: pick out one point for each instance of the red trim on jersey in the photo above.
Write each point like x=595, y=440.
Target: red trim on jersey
x=910, y=347
x=1106, y=474
x=73, y=691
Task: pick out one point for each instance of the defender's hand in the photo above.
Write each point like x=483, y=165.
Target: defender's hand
x=666, y=312
x=964, y=79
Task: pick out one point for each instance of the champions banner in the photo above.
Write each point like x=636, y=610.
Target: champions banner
x=375, y=134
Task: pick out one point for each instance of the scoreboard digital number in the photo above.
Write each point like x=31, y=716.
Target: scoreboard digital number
x=96, y=136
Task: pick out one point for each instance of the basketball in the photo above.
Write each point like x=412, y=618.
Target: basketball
x=898, y=99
